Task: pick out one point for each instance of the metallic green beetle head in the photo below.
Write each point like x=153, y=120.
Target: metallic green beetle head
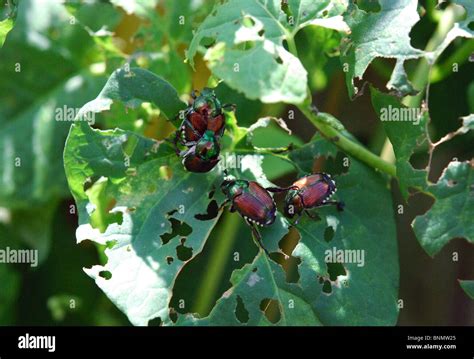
x=207, y=103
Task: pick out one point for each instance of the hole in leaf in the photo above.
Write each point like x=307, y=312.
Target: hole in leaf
x=279, y=60
x=261, y=32
x=452, y=183
x=247, y=45
x=289, y=264
x=208, y=41
x=89, y=182
x=289, y=241
x=184, y=253
x=328, y=234
x=166, y=172
x=169, y=259
x=335, y=270
x=271, y=309
x=325, y=13
x=155, y=322
x=101, y=217
x=471, y=26
x=128, y=147
x=212, y=211
x=241, y=313
x=419, y=161
x=177, y=229
x=105, y=274
x=173, y=315
x=327, y=288
x=254, y=270
x=212, y=192
x=248, y=22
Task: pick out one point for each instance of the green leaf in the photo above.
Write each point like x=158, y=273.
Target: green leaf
x=459, y=29
x=360, y=296
x=380, y=34
x=248, y=51
x=405, y=136
x=468, y=286
x=5, y=27
x=451, y=214
x=31, y=142
x=133, y=88
x=130, y=207
x=366, y=294
x=251, y=286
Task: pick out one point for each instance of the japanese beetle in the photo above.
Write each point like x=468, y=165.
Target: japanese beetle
x=205, y=113
x=308, y=192
x=252, y=201
x=203, y=155
x=200, y=132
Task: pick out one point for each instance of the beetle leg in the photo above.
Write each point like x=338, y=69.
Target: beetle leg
x=312, y=216
x=280, y=189
x=295, y=223
x=191, y=127
x=256, y=235
x=232, y=106
x=193, y=94
x=339, y=205
x=223, y=204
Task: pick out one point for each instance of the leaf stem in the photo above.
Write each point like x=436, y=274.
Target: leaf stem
x=346, y=144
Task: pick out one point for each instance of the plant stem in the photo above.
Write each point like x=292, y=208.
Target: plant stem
x=347, y=145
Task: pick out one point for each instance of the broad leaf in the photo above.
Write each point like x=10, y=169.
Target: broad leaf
x=134, y=87
x=252, y=286
x=248, y=51
x=451, y=214
x=363, y=293
x=405, y=127
x=380, y=34
x=129, y=209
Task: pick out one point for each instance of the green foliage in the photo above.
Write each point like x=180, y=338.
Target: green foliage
x=123, y=71
x=252, y=40
x=405, y=137
x=452, y=191
x=373, y=35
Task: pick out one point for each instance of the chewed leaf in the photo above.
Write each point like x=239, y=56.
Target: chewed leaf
x=247, y=49
x=136, y=202
x=451, y=214
x=405, y=127
x=459, y=29
x=349, y=275
x=134, y=87
x=254, y=287
x=380, y=34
